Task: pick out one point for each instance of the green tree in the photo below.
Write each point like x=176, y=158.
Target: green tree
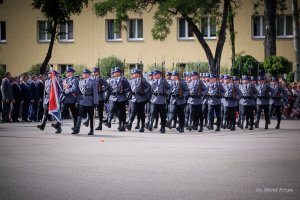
x=57, y=12
x=276, y=65
x=167, y=11
x=108, y=63
x=246, y=65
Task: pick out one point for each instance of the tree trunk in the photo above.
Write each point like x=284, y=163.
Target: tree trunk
x=295, y=11
x=270, y=27
x=49, y=53
x=232, y=33
x=202, y=41
x=221, y=38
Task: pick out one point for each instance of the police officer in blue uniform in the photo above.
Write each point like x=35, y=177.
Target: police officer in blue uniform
x=194, y=102
x=148, y=104
x=48, y=83
x=247, y=101
x=118, y=90
x=230, y=102
x=179, y=92
x=88, y=99
x=263, y=100
x=140, y=90
x=103, y=87
x=206, y=78
x=215, y=92
x=70, y=93
x=277, y=98
x=160, y=90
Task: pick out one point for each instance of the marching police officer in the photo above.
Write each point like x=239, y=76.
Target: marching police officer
x=247, y=101
x=119, y=87
x=160, y=90
x=179, y=92
x=230, y=102
x=276, y=101
x=148, y=113
x=7, y=96
x=214, y=94
x=263, y=100
x=140, y=90
x=195, y=99
x=70, y=92
x=46, y=100
x=88, y=99
x=102, y=89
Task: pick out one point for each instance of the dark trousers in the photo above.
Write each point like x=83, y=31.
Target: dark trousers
x=34, y=109
x=195, y=115
x=25, y=108
x=277, y=110
x=212, y=111
x=247, y=112
x=15, y=113
x=82, y=112
x=6, y=111
x=40, y=110
x=100, y=109
x=139, y=110
x=205, y=112
x=259, y=108
x=72, y=108
x=177, y=110
x=229, y=115
x=161, y=110
x=117, y=107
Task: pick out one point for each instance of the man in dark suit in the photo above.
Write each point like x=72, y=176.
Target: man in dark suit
x=16, y=91
x=34, y=95
x=26, y=98
x=6, y=90
x=40, y=86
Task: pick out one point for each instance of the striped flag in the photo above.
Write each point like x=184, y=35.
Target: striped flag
x=55, y=93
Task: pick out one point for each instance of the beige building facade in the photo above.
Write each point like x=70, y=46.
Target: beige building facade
x=23, y=42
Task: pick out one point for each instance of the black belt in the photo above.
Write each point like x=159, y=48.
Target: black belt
x=214, y=96
x=135, y=93
x=195, y=95
x=159, y=94
x=262, y=97
x=230, y=98
x=276, y=98
x=247, y=97
x=87, y=95
x=176, y=95
x=116, y=93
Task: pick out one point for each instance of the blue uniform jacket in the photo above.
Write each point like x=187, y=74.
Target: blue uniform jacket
x=70, y=90
x=160, y=90
x=179, y=92
x=103, y=87
x=249, y=94
x=119, y=88
x=215, y=92
x=140, y=89
x=231, y=96
x=88, y=92
x=264, y=92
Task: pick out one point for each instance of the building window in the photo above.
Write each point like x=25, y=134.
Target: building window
x=184, y=30
x=66, y=32
x=2, y=32
x=43, y=31
x=63, y=67
x=3, y=68
x=1, y=1
x=284, y=26
x=208, y=27
x=111, y=35
x=258, y=24
x=136, y=29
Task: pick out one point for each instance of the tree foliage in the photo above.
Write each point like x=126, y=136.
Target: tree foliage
x=166, y=11
x=246, y=65
x=108, y=63
x=277, y=65
x=57, y=12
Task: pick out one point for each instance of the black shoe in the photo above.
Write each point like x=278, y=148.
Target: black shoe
x=189, y=128
x=86, y=123
x=108, y=125
x=155, y=126
x=266, y=126
x=141, y=130
x=122, y=129
x=137, y=127
x=277, y=127
x=91, y=132
x=58, y=130
x=232, y=128
x=210, y=127
x=217, y=129
x=75, y=132
x=99, y=128
x=181, y=130
x=162, y=130
x=128, y=126
x=41, y=127
x=251, y=128
x=200, y=129
x=174, y=125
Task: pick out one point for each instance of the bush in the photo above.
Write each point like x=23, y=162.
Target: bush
x=2, y=72
x=35, y=69
x=276, y=65
x=246, y=65
x=108, y=63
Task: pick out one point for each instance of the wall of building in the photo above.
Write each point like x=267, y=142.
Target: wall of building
x=22, y=49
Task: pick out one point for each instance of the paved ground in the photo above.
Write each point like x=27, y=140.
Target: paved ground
x=262, y=164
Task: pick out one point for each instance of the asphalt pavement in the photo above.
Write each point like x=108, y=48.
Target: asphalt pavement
x=240, y=165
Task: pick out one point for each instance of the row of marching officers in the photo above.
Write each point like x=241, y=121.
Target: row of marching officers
x=194, y=102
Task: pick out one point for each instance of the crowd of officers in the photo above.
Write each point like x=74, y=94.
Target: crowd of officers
x=193, y=102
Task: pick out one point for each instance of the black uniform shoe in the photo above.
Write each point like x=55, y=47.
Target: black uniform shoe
x=122, y=129
x=86, y=123
x=91, y=132
x=278, y=126
x=75, y=132
x=266, y=126
x=181, y=130
x=251, y=128
x=58, y=130
x=232, y=128
x=128, y=126
x=200, y=129
x=142, y=130
x=41, y=127
x=137, y=127
x=162, y=130
x=217, y=129
x=99, y=128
